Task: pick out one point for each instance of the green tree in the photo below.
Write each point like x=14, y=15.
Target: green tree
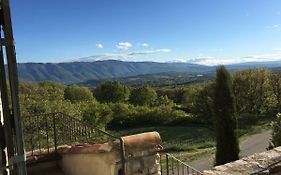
x=97, y=114
x=198, y=101
x=75, y=94
x=163, y=101
x=145, y=95
x=227, y=146
x=50, y=90
x=275, y=80
x=253, y=91
x=112, y=91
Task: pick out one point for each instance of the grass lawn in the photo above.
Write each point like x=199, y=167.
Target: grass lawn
x=190, y=142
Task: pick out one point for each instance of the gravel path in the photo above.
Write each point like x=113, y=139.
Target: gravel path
x=252, y=144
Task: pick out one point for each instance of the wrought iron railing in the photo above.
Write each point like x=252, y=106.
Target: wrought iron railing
x=170, y=165
x=45, y=133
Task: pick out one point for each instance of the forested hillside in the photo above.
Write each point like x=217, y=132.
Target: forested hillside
x=93, y=72
x=172, y=79
x=75, y=72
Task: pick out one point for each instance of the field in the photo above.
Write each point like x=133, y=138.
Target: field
x=190, y=142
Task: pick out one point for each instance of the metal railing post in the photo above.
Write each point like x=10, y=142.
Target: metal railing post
x=55, y=132
x=123, y=158
x=167, y=164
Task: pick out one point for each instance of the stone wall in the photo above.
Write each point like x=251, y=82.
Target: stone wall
x=251, y=165
x=140, y=153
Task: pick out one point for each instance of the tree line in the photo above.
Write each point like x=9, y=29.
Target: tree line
x=115, y=105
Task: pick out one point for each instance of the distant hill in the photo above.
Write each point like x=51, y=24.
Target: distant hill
x=269, y=64
x=171, y=79
x=75, y=72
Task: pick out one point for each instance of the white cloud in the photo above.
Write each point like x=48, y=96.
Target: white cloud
x=212, y=61
x=125, y=57
x=262, y=58
x=106, y=56
x=99, y=45
x=164, y=50
x=145, y=45
x=124, y=45
x=150, y=52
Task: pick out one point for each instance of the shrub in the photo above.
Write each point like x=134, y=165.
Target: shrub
x=143, y=96
x=75, y=94
x=97, y=114
x=112, y=91
x=276, y=133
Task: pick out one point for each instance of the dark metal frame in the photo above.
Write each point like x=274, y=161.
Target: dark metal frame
x=10, y=107
x=171, y=165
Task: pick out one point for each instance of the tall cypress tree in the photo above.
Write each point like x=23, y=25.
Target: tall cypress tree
x=227, y=146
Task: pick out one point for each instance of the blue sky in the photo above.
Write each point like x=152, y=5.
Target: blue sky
x=196, y=31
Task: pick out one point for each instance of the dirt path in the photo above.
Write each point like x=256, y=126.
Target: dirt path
x=252, y=144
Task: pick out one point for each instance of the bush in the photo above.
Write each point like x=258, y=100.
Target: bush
x=75, y=94
x=112, y=92
x=127, y=115
x=276, y=133
x=143, y=96
x=97, y=114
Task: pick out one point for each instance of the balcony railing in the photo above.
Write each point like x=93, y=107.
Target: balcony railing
x=46, y=132
x=171, y=165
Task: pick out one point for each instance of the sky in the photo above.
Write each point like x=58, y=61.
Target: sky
x=206, y=32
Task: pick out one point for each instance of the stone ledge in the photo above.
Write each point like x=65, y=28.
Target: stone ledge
x=248, y=165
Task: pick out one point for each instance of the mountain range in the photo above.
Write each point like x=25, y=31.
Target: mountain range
x=76, y=72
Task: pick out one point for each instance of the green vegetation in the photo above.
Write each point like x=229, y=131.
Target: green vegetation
x=227, y=146
x=190, y=142
x=90, y=72
x=276, y=133
x=143, y=96
x=112, y=91
x=179, y=139
x=172, y=110
x=75, y=93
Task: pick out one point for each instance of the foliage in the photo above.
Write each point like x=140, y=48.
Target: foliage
x=163, y=100
x=76, y=94
x=275, y=83
x=46, y=97
x=175, y=94
x=253, y=91
x=112, y=91
x=276, y=131
x=127, y=115
x=143, y=96
x=198, y=101
x=257, y=92
x=227, y=146
x=97, y=114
